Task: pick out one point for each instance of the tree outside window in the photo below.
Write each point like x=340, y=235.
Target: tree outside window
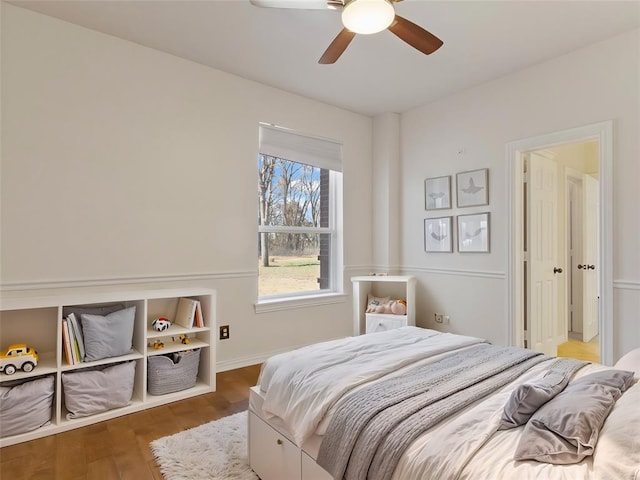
x=295, y=227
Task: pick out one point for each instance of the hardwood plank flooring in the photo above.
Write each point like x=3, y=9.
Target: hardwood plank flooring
x=118, y=449
x=588, y=351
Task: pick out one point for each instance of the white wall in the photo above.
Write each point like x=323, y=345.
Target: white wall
x=386, y=191
x=122, y=163
x=596, y=83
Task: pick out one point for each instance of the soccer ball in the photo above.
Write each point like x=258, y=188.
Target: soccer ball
x=161, y=324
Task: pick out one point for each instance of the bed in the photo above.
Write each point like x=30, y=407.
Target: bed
x=414, y=403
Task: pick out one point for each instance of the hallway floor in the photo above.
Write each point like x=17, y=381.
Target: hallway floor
x=575, y=348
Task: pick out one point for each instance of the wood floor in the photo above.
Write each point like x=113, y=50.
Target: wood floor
x=118, y=449
x=588, y=351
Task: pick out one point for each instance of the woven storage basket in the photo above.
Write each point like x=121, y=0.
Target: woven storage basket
x=166, y=375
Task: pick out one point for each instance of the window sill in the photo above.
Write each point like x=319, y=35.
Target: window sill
x=290, y=303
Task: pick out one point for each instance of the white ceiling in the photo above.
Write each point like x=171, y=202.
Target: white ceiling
x=483, y=40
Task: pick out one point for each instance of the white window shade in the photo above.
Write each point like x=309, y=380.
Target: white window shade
x=282, y=143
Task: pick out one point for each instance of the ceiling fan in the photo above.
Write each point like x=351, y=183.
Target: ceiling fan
x=365, y=17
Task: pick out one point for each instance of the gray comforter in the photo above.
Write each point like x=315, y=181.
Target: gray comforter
x=373, y=426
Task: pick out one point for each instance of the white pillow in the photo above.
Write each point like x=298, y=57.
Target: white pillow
x=630, y=361
x=26, y=407
x=87, y=392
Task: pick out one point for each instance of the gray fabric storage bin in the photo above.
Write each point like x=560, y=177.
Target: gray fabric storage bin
x=178, y=371
x=98, y=389
x=26, y=405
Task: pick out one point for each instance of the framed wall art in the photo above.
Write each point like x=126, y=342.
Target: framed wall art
x=472, y=188
x=473, y=232
x=437, y=193
x=438, y=235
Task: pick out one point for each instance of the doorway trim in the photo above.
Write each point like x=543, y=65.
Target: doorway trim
x=603, y=133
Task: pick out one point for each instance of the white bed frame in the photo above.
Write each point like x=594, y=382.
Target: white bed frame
x=272, y=453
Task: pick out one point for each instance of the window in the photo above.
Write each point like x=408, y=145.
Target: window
x=299, y=214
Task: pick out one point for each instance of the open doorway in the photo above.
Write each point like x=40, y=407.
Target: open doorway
x=538, y=301
x=567, y=250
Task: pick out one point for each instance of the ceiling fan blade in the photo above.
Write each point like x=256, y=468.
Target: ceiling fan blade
x=337, y=47
x=298, y=4
x=415, y=35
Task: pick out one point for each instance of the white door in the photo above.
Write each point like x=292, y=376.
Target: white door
x=575, y=231
x=590, y=256
x=543, y=271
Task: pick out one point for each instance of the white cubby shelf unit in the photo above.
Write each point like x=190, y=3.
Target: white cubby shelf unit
x=37, y=321
x=394, y=286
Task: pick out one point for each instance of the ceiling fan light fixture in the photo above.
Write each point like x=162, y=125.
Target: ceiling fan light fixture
x=368, y=16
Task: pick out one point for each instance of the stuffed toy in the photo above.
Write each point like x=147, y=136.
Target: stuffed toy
x=399, y=307
x=383, y=308
x=373, y=303
x=396, y=307
x=161, y=324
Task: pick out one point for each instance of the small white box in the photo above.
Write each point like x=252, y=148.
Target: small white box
x=379, y=322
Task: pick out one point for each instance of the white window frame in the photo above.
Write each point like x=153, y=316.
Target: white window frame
x=335, y=292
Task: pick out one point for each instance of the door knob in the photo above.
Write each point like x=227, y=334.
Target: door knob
x=591, y=267
x=557, y=270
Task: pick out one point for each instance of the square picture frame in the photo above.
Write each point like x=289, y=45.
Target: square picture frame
x=474, y=232
x=438, y=235
x=472, y=188
x=437, y=193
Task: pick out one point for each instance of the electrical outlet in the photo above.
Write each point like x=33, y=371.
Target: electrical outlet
x=445, y=319
x=438, y=317
x=224, y=332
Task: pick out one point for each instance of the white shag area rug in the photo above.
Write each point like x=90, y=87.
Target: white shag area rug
x=214, y=451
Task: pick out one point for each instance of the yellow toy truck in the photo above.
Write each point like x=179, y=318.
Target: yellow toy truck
x=18, y=356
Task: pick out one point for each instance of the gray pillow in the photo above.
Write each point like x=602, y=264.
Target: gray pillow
x=108, y=336
x=528, y=397
x=27, y=406
x=565, y=430
x=92, y=310
x=87, y=392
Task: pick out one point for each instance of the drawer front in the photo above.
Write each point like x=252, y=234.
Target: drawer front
x=385, y=322
x=271, y=455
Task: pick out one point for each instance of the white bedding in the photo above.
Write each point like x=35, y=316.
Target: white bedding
x=300, y=388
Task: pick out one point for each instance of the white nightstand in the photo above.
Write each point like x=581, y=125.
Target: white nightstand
x=396, y=286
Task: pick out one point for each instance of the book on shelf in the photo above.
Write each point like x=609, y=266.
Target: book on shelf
x=199, y=320
x=66, y=342
x=77, y=333
x=73, y=343
x=75, y=350
x=186, y=312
